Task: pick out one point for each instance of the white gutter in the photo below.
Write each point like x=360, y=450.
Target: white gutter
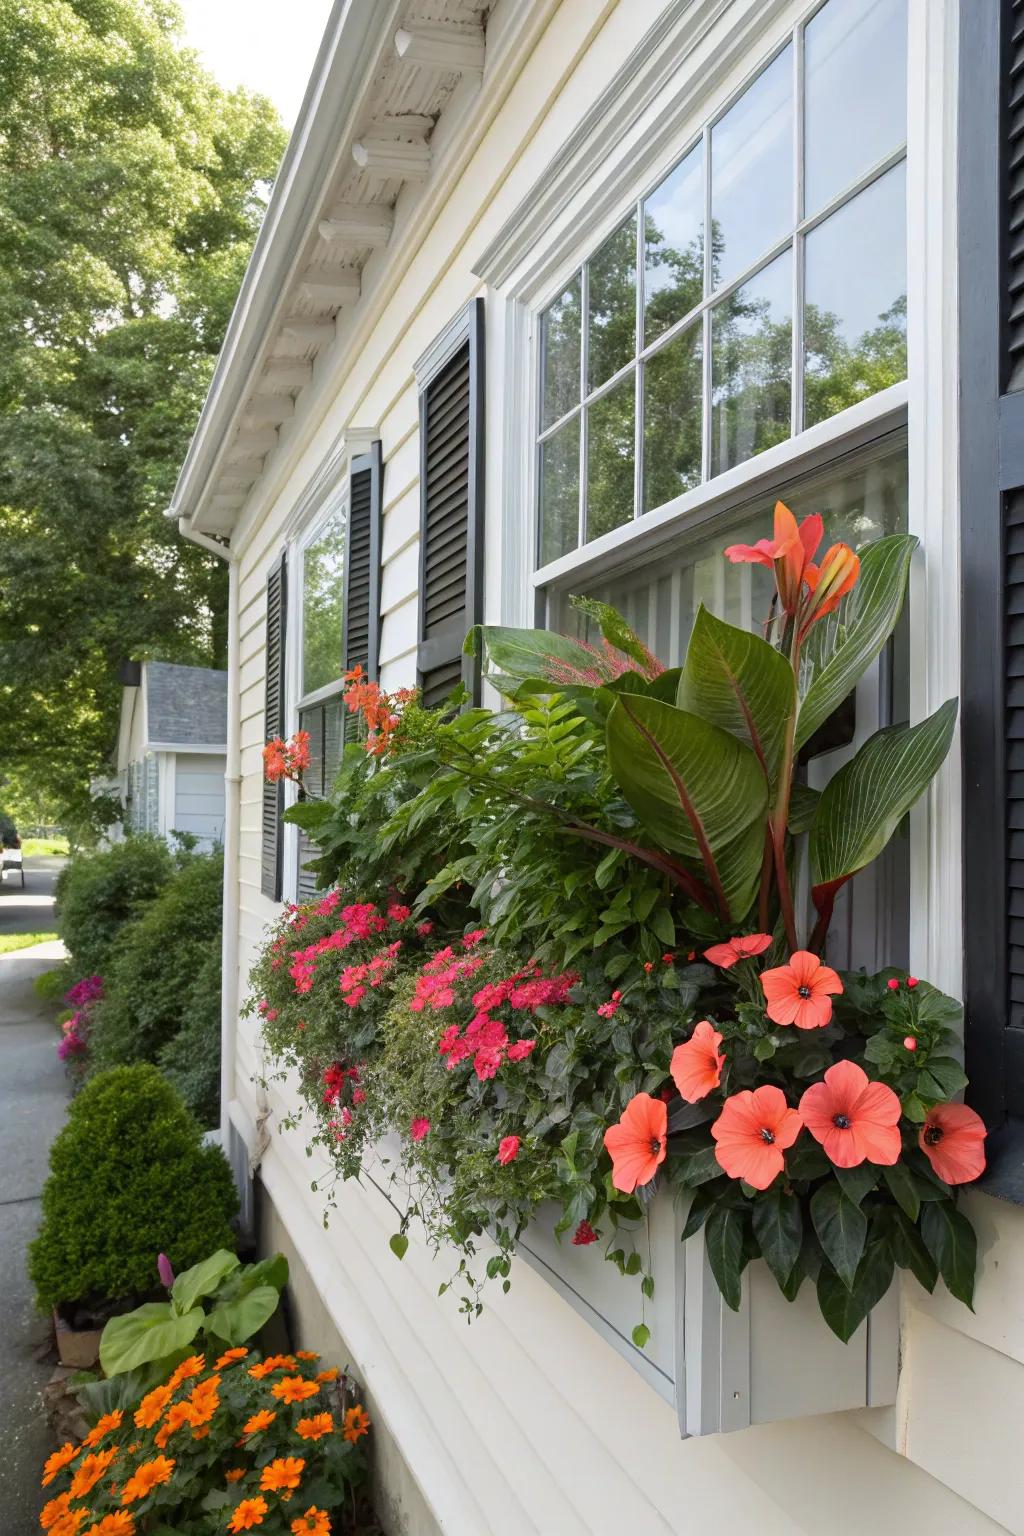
x=232, y=815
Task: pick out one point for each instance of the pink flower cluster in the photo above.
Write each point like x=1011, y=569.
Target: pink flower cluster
x=361, y=920
x=88, y=990
x=356, y=978
x=334, y=1079
x=74, y=1042
x=486, y=1038
x=435, y=985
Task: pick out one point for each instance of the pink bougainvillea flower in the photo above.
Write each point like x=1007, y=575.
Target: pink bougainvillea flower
x=752, y=1133
x=742, y=948
x=584, y=1234
x=696, y=1066
x=853, y=1118
x=799, y=993
x=508, y=1149
x=789, y=552
x=419, y=1128
x=953, y=1140
x=637, y=1144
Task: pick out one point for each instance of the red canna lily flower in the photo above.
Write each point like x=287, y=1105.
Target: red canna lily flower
x=799, y=993
x=953, y=1140
x=828, y=584
x=853, y=1118
x=696, y=1066
x=790, y=552
x=637, y=1144
x=742, y=948
x=752, y=1133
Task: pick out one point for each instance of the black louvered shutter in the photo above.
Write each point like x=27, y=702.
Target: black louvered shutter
x=451, y=516
x=273, y=794
x=361, y=625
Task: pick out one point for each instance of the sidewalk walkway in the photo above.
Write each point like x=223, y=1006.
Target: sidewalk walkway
x=33, y=1097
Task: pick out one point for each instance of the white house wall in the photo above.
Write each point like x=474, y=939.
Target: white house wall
x=527, y=1422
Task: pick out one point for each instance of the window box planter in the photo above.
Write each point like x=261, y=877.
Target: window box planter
x=722, y=1370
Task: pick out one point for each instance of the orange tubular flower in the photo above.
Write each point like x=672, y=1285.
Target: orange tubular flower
x=637, y=1144
x=828, y=584
x=147, y=1477
x=258, y=1422
x=742, y=948
x=799, y=993
x=58, y=1461
x=315, y=1428
x=294, y=1389
x=853, y=1118
x=152, y=1406
x=249, y=1513
x=89, y=1471
x=696, y=1066
x=357, y=1424
x=953, y=1140
x=752, y=1133
x=120, y=1523
x=103, y=1426
x=790, y=553
x=282, y=1475
x=313, y=1523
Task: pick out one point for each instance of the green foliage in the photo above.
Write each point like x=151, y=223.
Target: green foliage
x=190, y=1060
x=131, y=190
x=99, y=893
x=129, y=1179
x=51, y=986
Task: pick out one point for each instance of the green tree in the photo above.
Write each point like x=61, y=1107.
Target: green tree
x=131, y=189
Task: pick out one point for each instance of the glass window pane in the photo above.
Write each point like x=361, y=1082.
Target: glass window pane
x=855, y=313
x=752, y=172
x=323, y=591
x=611, y=452
x=561, y=332
x=855, y=103
x=672, y=418
x=751, y=342
x=674, y=246
x=560, y=492
x=611, y=322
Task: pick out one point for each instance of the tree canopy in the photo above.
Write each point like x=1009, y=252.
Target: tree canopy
x=131, y=189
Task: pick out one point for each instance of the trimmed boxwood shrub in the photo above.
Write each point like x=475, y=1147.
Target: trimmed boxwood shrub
x=97, y=893
x=129, y=1178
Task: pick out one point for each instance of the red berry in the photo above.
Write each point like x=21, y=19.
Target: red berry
x=910, y=1044
x=893, y=984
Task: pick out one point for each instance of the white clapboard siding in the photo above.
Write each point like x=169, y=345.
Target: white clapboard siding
x=199, y=796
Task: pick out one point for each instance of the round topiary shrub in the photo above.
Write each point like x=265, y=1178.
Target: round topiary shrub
x=97, y=893
x=129, y=1178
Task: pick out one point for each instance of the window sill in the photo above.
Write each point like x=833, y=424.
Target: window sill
x=1004, y=1176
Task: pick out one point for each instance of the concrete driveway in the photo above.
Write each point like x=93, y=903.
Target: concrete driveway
x=33, y=1098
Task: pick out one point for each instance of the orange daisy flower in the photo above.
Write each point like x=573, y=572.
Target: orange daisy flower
x=69, y=1523
x=315, y=1428
x=953, y=1140
x=637, y=1144
x=357, y=1424
x=52, y=1511
x=247, y=1514
x=852, y=1117
x=235, y=1475
x=745, y=947
x=696, y=1066
x=120, y=1523
x=147, y=1477
x=272, y=1363
x=306, y=1354
x=752, y=1132
x=261, y=1420
x=89, y=1471
x=58, y=1461
x=230, y=1356
x=190, y=1367
x=152, y=1406
x=282, y=1475
x=801, y=992
x=103, y=1426
x=313, y=1523
x=294, y=1389
x=178, y=1415
x=331, y=1375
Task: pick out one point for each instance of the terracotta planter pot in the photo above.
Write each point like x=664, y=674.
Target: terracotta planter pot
x=78, y=1348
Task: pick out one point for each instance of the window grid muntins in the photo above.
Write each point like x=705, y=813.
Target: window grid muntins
x=861, y=367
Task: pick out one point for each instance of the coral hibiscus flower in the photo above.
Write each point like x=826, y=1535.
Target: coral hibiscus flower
x=799, y=993
x=247, y=1514
x=853, y=1118
x=953, y=1140
x=752, y=1133
x=696, y=1066
x=357, y=1424
x=742, y=948
x=637, y=1144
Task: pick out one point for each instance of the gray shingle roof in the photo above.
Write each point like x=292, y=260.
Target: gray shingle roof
x=187, y=706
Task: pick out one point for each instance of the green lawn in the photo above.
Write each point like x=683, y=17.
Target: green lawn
x=12, y=941
x=32, y=845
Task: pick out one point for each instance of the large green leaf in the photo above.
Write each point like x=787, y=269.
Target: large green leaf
x=738, y=681
x=236, y=1321
x=844, y=1307
x=148, y=1333
x=840, y=650
x=698, y=790
x=950, y=1240
x=724, y=1244
x=202, y=1279
x=842, y=1229
x=779, y=1229
x=863, y=805
x=529, y=655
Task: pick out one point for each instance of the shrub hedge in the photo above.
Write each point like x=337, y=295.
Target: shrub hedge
x=98, y=893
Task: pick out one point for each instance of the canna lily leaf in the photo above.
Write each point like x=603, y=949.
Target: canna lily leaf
x=236, y=1321
x=541, y=658
x=699, y=791
x=202, y=1279
x=148, y=1333
x=738, y=681
x=863, y=805
x=838, y=653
